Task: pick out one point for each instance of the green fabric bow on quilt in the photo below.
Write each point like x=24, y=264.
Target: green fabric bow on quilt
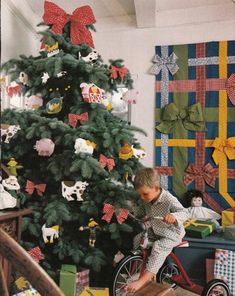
x=191, y=118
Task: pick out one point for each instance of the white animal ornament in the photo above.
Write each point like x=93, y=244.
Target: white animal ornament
x=85, y=146
x=77, y=189
x=11, y=183
x=51, y=232
x=6, y=199
x=138, y=153
x=9, y=131
x=90, y=57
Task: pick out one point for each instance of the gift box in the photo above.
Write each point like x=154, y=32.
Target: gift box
x=229, y=232
x=228, y=217
x=29, y=292
x=199, y=228
x=68, y=279
x=152, y=289
x=210, y=269
x=88, y=291
x=224, y=268
x=82, y=278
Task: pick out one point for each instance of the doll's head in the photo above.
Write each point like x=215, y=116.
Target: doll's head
x=193, y=198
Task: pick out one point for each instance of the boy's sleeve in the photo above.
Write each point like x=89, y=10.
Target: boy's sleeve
x=181, y=214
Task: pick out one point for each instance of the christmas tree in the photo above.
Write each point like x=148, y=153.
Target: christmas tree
x=73, y=159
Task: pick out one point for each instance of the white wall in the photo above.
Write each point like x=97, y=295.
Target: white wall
x=121, y=39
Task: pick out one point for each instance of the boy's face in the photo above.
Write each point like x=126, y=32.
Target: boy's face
x=149, y=194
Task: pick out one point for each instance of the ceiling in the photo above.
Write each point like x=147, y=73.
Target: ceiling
x=137, y=13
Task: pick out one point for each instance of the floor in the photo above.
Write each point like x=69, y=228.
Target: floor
x=182, y=292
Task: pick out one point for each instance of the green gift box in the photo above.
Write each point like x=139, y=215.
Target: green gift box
x=229, y=232
x=199, y=228
x=68, y=279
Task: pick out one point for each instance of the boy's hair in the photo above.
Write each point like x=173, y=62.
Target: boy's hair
x=147, y=177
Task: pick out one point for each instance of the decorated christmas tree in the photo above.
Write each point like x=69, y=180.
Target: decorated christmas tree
x=71, y=157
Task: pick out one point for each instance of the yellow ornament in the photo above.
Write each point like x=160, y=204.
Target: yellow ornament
x=125, y=152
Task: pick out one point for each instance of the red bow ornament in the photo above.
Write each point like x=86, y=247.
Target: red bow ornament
x=121, y=72
x=206, y=173
x=109, y=162
x=73, y=118
x=81, y=17
x=13, y=90
x=109, y=210
x=230, y=88
x=30, y=187
x=36, y=254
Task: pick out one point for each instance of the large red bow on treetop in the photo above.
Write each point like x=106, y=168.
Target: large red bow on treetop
x=109, y=162
x=36, y=254
x=230, y=88
x=207, y=173
x=81, y=17
x=109, y=210
x=73, y=118
x=115, y=72
x=30, y=187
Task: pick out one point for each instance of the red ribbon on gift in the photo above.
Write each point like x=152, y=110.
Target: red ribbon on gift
x=121, y=72
x=81, y=17
x=73, y=118
x=109, y=162
x=206, y=172
x=13, y=90
x=109, y=210
x=36, y=254
x=30, y=187
x=230, y=88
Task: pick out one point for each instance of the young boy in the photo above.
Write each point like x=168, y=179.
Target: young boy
x=166, y=233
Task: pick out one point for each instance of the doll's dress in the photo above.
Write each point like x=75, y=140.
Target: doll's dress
x=6, y=199
x=203, y=213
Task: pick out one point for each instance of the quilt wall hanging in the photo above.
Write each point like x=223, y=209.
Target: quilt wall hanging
x=195, y=120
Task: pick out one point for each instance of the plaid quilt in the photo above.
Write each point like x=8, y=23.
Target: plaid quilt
x=195, y=120
x=224, y=267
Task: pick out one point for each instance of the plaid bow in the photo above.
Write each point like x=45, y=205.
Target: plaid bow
x=13, y=90
x=73, y=118
x=109, y=210
x=81, y=17
x=36, y=254
x=230, y=88
x=206, y=173
x=116, y=71
x=30, y=187
x=168, y=63
x=109, y=162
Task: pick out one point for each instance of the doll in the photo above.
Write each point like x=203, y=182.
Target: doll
x=196, y=210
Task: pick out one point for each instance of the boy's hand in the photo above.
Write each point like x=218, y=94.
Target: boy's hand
x=169, y=219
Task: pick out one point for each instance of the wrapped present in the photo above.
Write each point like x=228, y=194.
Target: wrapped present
x=152, y=289
x=29, y=292
x=68, y=279
x=199, y=228
x=224, y=268
x=82, y=278
x=87, y=291
x=210, y=269
x=228, y=217
x=229, y=232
